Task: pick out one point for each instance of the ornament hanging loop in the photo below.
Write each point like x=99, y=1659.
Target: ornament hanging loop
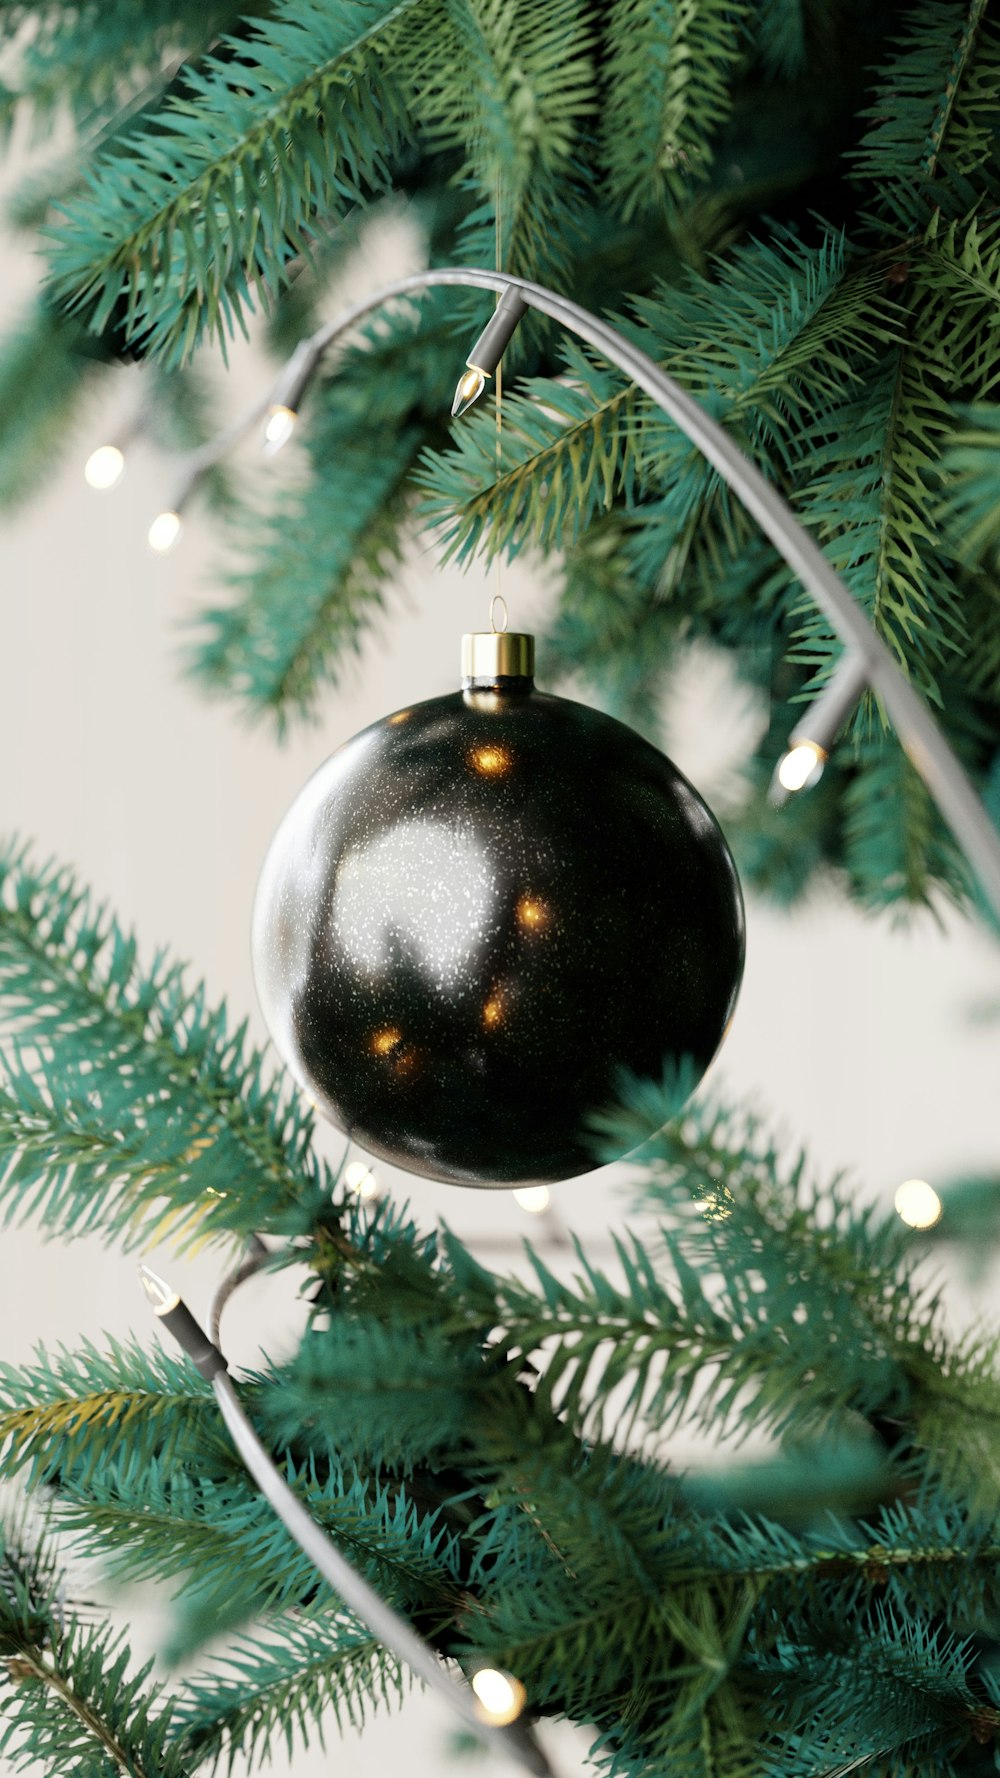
x=498, y=629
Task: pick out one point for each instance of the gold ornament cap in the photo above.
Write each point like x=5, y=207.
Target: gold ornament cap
x=498, y=654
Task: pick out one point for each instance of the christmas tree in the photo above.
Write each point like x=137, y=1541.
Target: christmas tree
x=791, y=207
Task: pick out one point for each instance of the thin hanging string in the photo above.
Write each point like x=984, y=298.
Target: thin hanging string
x=498, y=254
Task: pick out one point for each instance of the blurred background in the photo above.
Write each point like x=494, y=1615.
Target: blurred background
x=877, y=1048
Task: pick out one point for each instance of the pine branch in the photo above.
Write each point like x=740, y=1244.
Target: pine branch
x=971, y=466
x=316, y=577
x=781, y=36
x=274, y=1689
x=896, y=847
x=321, y=558
x=814, y=1331
x=933, y=140
x=516, y=117
x=791, y=333
x=61, y=1418
x=213, y=204
x=125, y=1095
x=669, y=75
x=47, y=367
x=88, y=56
x=71, y=1703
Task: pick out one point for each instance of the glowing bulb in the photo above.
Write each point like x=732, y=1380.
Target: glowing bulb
x=470, y=388
x=160, y=1295
x=535, y=1198
x=104, y=467
x=281, y=423
x=359, y=1178
x=918, y=1204
x=798, y=766
x=164, y=532
x=501, y=1696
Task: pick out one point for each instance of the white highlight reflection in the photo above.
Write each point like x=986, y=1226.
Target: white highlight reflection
x=423, y=890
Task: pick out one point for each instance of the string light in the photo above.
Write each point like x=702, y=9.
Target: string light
x=501, y=1697
x=104, y=467
x=359, y=1178
x=917, y=1204
x=801, y=766
x=164, y=531
x=281, y=423
x=810, y=741
x=488, y=350
x=533, y=1198
x=470, y=388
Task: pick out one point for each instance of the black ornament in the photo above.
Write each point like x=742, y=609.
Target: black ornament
x=481, y=910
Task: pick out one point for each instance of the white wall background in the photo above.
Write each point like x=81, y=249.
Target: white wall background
x=858, y=1037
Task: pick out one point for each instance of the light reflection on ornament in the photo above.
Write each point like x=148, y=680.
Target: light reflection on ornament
x=532, y=913
x=492, y=762
x=384, y=1042
x=423, y=889
x=493, y=1012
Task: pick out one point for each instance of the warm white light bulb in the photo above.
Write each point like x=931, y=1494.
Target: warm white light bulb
x=281, y=423
x=470, y=387
x=918, y=1204
x=535, y=1198
x=501, y=1697
x=798, y=765
x=160, y=1295
x=359, y=1178
x=164, y=532
x=104, y=467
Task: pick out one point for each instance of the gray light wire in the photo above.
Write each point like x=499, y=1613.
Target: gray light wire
x=924, y=742
x=515, y=1740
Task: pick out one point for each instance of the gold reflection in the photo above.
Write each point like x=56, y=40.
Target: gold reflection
x=491, y=761
x=532, y=913
x=384, y=1042
x=493, y=1012
x=400, y=716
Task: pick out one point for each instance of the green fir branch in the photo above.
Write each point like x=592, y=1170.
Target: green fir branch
x=669, y=77
x=86, y=57
x=272, y=1690
x=932, y=143
x=127, y=1103
x=62, y=1417
x=320, y=559
x=71, y=1704
x=511, y=90
x=316, y=577
x=971, y=467
x=48, y=365
x=210, y=207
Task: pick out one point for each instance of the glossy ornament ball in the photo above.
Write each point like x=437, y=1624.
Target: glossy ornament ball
x=481, y=911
